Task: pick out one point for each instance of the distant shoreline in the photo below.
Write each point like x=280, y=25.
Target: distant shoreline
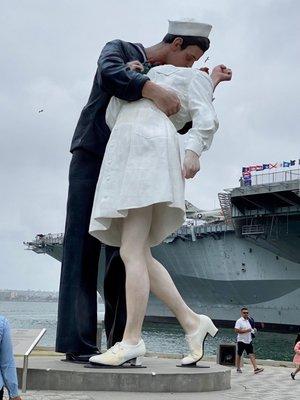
x=36, y=300
x=29, y=300
x=45, y=296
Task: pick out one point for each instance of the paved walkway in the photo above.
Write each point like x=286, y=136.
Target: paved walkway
x=274, y=383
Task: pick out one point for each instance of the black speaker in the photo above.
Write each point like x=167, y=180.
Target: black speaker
x=227, y=354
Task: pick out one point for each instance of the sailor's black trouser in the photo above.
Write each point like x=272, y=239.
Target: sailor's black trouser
x=77, y=307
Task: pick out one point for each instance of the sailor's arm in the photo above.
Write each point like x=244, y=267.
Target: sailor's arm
x=125, y=81
x=167, y=101
x=114, y=75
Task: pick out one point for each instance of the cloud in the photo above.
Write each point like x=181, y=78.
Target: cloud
x=48, y=62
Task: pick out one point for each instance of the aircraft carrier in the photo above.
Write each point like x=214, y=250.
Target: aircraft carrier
x=245, y=253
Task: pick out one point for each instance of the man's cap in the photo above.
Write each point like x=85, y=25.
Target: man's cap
x=189, y=27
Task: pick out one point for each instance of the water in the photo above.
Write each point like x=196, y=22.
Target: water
x=159, y=337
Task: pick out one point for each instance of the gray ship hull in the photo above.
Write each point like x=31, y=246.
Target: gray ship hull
x=218, y=273
x=253, y=259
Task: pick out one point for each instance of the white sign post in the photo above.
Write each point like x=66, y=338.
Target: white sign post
x=24, y=341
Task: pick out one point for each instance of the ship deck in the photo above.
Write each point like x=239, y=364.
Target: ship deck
x=267, y=198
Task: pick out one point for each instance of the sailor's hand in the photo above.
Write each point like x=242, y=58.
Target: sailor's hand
x=191, y=164
x=166, y=100
x=135, y=66
x=220, y=74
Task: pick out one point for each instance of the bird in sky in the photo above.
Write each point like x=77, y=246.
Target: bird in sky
x=40, y=111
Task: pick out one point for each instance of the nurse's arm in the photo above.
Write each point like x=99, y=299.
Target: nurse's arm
x=204, y=124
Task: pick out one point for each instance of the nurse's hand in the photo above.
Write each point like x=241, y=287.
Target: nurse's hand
x=135, y=66
x=220, y=74
x=166, y=100
x=191, y=164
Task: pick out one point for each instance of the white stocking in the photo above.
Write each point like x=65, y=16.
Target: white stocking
x=136, y=227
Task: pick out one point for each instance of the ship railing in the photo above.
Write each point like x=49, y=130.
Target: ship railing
x=212, y=228
x=195, y=230
x=253, y=230
x=42, y=240
x=273, y=177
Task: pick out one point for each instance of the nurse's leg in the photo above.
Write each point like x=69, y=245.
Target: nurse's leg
x=163, y=287
x=136, y=227
x=196, y=326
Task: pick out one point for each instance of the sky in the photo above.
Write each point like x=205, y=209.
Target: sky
x=49, y=51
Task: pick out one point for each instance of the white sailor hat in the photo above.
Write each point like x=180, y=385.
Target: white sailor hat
x=189, y=27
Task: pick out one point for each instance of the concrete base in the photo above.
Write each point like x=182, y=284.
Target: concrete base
x=161, y=375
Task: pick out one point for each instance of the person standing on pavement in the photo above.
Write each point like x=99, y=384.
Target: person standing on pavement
x=8, y=373
x=296, y=359
x=244, y=332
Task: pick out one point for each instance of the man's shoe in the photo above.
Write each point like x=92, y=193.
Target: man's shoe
x=120, y=354
x=79, y=358
x=258, y=370
x=196, y=340
x=239, y=370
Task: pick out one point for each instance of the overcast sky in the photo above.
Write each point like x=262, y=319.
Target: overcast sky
x=49, y=51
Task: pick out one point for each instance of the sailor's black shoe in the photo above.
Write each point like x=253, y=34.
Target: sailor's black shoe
x=79, y=358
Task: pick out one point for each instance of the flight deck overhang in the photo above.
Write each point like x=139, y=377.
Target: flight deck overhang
x=276, y=198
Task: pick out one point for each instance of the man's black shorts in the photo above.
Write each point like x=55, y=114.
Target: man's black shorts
x=244, y=346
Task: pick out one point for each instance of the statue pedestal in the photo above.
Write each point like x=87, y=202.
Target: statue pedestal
x=160, y=375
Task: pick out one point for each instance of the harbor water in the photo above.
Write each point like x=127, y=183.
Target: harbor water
x=159, y=337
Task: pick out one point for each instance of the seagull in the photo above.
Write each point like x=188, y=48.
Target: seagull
x=40, y=111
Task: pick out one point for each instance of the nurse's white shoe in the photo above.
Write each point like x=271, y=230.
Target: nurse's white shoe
x=120, y=354
x=196, y=340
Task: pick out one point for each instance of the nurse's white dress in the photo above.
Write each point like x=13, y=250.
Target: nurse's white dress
x=142, y=164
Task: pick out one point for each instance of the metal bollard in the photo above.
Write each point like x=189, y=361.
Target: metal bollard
x=100, y=327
